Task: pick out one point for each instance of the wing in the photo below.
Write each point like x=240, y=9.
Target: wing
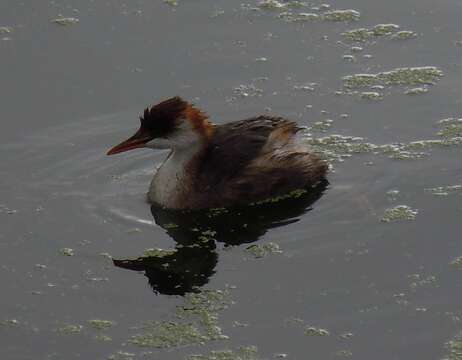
x=234, y=145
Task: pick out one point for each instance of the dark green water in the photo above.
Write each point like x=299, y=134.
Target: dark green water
x=323, y=277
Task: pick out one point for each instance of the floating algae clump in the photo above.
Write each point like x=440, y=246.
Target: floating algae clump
x=359, y=80
x=294, y=194
x=411, y=76
x=290, y=11
x=247, y=90
x=416, y=91
x=103, y=338
x=400, y=212
x=64, y=21
x=278, y=5
x=69, y=329
x=384, y=29
x=171, y=2
x=298, y=17
x=5, y=30
x=404, y=35
x=457, y=262
x=342, y=15
x=314, y=331
x=203, y=307
x=263, y=250
x=371, y=95
x=400, y=76
x=452, y=127
x=67, y=252
x=445, y=190
x=216, y=212
x=271, y=5
x=170, y=226
x=242, y=353
x=165, y=334
x=454, y=348
x=380, y=30
x=322, y=125
x=9, y=322
x=337, y=147
x=364, y=34
x=196, y=323
x=159, y=253
x=121, y=355
x=100, y=324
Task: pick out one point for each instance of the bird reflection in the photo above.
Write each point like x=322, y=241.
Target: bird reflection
x=191, y=264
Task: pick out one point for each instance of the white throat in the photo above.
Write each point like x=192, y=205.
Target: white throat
x=171, y=180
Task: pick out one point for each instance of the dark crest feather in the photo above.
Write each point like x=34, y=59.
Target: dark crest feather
x=162, y=118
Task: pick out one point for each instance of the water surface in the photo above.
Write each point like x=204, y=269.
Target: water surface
x=328, y=279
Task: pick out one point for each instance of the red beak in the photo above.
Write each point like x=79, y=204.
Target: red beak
x=136, y=141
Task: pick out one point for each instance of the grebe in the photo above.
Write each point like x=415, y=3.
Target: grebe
x=233, y=164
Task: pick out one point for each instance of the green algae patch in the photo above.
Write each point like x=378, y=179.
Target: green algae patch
x=359, y=80
x=65, y=21
x=247, y=90
x=206, y=236
x=426, y=75
x=371, y=95
x=421, y=77
x=344, y=353
x=66, y=252
x=445, y=190
x=342, y=15
x=322, y=125
x=454, y=348
x=213, y=212
x=292, y=11
x=196, y=322
x=263, y=250
x=298, y=17
x=70, y=329
x=400, y=212
x=337, y=148
x=451, y=127
x=158, y=253
x=314, y=331
x=359, y=35
x=103, y=338
x=416, y=91
x=242, y=353
x=99, y=324
x=9, y=322
x=364, y=34
x=203, y=308
x=122, y=355
x=163, y=334
x=271, y=5
x=346, y=336
x=404, y=35
x=457, y=262
x=171, y=2
x=280, y=5
x=5, y=30
x=381, y=30
x=420, y=280
x=384, y=29
x=295, y=194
